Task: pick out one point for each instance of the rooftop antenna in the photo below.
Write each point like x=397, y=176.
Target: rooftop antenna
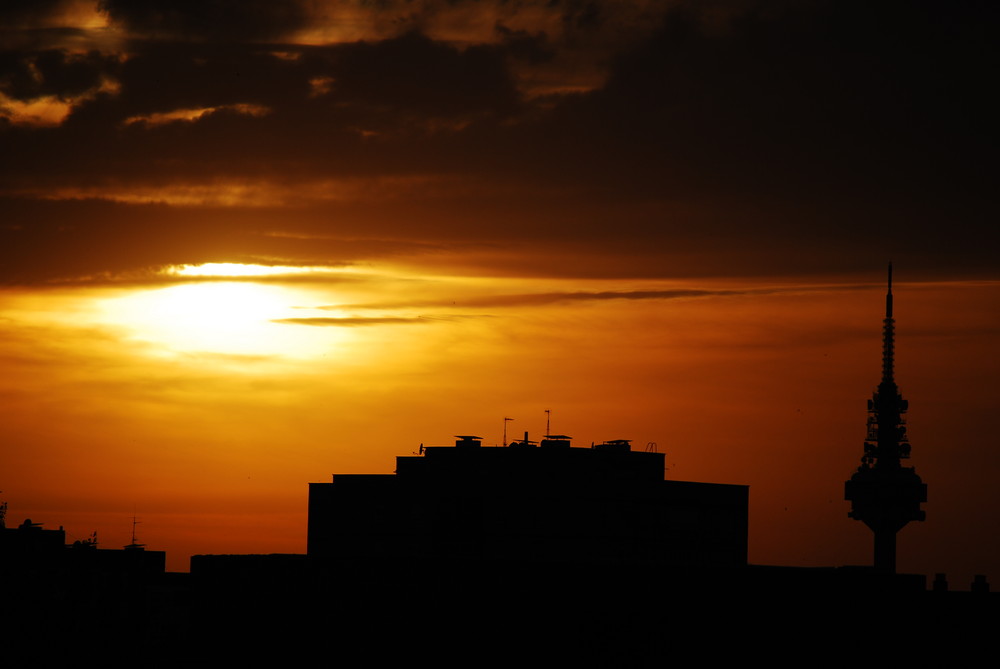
x=134, y=545
x=505, y=421
x=884, y=494
x=548, y=417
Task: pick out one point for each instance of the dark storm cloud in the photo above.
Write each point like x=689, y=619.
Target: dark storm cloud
x=404, y=86
x=817, y=135
x=161, y=77
x=815, y=92
x=384, y=84
x=524, y=46
x=224, y=20
x=417, y=76
x=61, y=240
x=53, y=72
x=18, y=13
x=582, y=14
x=99, y=242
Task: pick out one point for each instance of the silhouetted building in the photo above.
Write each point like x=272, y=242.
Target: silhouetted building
x=73, y=596
x=884, y=494
x=529, y=504
x=31, y=548
x=30, y=545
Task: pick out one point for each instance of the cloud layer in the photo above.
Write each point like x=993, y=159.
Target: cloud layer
x=641, y=139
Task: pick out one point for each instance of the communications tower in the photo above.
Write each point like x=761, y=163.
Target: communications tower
x=884, y=494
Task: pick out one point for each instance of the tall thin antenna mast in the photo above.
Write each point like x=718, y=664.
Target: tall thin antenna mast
x=505, y=421
x=134, y=545
x=548, y=416
x=888, y=335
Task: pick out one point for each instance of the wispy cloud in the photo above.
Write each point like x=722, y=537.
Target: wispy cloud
x=350, y=322
x=49, y=110
x=160, y=118
x=542, y=299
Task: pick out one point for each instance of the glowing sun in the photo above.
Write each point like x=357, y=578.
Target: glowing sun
x=218, y=316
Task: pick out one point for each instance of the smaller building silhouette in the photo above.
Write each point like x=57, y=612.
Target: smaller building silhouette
x=30, y=548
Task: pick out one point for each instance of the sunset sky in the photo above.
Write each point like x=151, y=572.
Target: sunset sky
x=245, y=245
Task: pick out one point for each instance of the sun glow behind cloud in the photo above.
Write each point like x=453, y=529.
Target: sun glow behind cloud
x=234, y=318
x=237, y=311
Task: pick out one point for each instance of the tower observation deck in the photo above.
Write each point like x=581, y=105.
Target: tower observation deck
x=884, y=494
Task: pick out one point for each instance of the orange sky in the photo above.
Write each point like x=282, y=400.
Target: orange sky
x=661, y=222
x=122, y=399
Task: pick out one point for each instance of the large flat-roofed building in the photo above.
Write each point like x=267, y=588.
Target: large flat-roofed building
x=529, y=504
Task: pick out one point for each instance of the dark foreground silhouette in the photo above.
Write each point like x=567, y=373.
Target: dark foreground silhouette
x=418, y=582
